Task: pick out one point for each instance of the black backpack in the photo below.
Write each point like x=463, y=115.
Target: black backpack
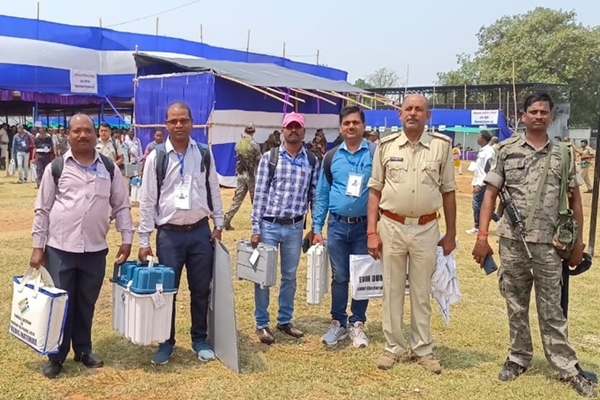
x=162, y=164
x=329, y=157
x=59, y=162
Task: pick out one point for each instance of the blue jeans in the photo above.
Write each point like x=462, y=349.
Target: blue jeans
x=289, y=240
x=477, y=202
x=344, y=239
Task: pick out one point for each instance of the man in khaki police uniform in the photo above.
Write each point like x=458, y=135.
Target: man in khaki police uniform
x=586, y=155
x=412, y=178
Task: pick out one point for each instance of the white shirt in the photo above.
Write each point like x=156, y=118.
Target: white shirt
x=485, y=154
x=166, y=212
x=135, y=147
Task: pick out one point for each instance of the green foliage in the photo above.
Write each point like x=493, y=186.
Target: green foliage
x=546, y=46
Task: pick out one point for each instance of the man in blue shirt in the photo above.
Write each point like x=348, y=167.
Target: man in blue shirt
x=280, y=203
x=345, y=199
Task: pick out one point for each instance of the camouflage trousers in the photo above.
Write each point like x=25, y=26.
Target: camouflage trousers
x=245, y=184
x=517, y=275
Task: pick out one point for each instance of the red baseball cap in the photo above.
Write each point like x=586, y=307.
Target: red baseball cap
x=293, y=117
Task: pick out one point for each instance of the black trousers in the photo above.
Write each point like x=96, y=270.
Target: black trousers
x=195, y=250
x=81, y=275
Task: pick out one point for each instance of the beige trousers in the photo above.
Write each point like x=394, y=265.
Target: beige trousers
x=416, y=244
x=585, y=174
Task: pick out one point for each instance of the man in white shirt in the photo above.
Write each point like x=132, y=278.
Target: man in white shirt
x=484, y=161
x=134, y=145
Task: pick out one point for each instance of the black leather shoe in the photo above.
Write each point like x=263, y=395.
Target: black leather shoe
x=290, y=330
x=89, y=360
x=52, y=369
x=510, y=371
x=265, y=336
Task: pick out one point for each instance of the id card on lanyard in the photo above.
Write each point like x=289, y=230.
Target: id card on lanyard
x=183, y=189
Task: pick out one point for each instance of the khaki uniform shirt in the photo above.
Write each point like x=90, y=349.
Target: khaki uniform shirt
x=411, y=178
x=108, y=149
x=519, y=167
x=586, y=154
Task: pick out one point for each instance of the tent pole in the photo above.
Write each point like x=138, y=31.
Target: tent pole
x=114, y=109
x=595, y=195
x=340, y=96
x=257, y=89
x=316, y=96
x=278, y=91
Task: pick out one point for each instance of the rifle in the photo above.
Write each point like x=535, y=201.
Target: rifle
x=515, y=218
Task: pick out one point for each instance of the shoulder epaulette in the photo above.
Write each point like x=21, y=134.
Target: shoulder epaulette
x=389, y=138
x=440, y=136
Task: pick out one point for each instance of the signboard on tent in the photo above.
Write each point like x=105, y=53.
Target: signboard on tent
x=84, y=81
x=484, y=117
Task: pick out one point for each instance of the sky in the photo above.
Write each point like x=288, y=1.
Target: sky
x=415, y=39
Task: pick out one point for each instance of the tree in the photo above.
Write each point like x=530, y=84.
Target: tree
x=547, y=46
x=382, y=78
x=361, y=83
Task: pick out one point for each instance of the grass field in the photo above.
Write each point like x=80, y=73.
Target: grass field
x=471, y=349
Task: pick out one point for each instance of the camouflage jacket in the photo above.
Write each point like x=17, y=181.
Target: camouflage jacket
x=247, y=154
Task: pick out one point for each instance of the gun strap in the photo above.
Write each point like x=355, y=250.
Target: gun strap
x=538, y=193
x=563, y=208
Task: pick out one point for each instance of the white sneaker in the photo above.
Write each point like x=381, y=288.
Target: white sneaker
x=472, y=231
x=334, y=334
x=358, y=335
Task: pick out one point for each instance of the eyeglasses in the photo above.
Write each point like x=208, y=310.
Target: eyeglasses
x=182, y=121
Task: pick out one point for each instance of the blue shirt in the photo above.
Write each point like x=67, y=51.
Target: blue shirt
x=333, y=198
x=287, y=196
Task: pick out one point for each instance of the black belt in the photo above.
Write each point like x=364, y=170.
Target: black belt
x=284, y=221
x=185, y=228
x=350, y=220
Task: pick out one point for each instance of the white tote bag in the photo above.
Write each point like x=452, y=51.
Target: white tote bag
x=38, y=311
x=366, y=277
x=33, y=170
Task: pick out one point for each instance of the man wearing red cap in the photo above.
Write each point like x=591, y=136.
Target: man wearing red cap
x=281, y=201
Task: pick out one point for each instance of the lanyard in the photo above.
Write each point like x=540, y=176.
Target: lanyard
x=296, y=162
x=181, y=159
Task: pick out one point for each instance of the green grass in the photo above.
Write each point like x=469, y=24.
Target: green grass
x=471, y=349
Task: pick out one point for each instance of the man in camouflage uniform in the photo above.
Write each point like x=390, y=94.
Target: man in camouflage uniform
x=273, y=141
x=248, y=155
x=518, y=168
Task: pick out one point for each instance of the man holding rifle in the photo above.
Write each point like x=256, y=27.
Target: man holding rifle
x=532, y=164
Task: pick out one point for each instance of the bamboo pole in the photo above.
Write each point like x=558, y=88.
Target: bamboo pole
x=500, y=98
x=316, y=96
x=239, y=82
x=341, y=96
x=275, y=90
x=514, y=85
x=465, y=97
x=382, y=100
x=163, y=125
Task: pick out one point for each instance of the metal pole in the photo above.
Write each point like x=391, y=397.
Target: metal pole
x=317, y=57
x=594, y=216
x=201, y=34
x=38, y=10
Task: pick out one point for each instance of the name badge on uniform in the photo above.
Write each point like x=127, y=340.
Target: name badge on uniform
x=183, y=192
x=354, y=185
x=102, y=175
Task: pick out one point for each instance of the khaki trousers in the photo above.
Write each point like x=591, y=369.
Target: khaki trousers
x=416, y=244
x=585, y=174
